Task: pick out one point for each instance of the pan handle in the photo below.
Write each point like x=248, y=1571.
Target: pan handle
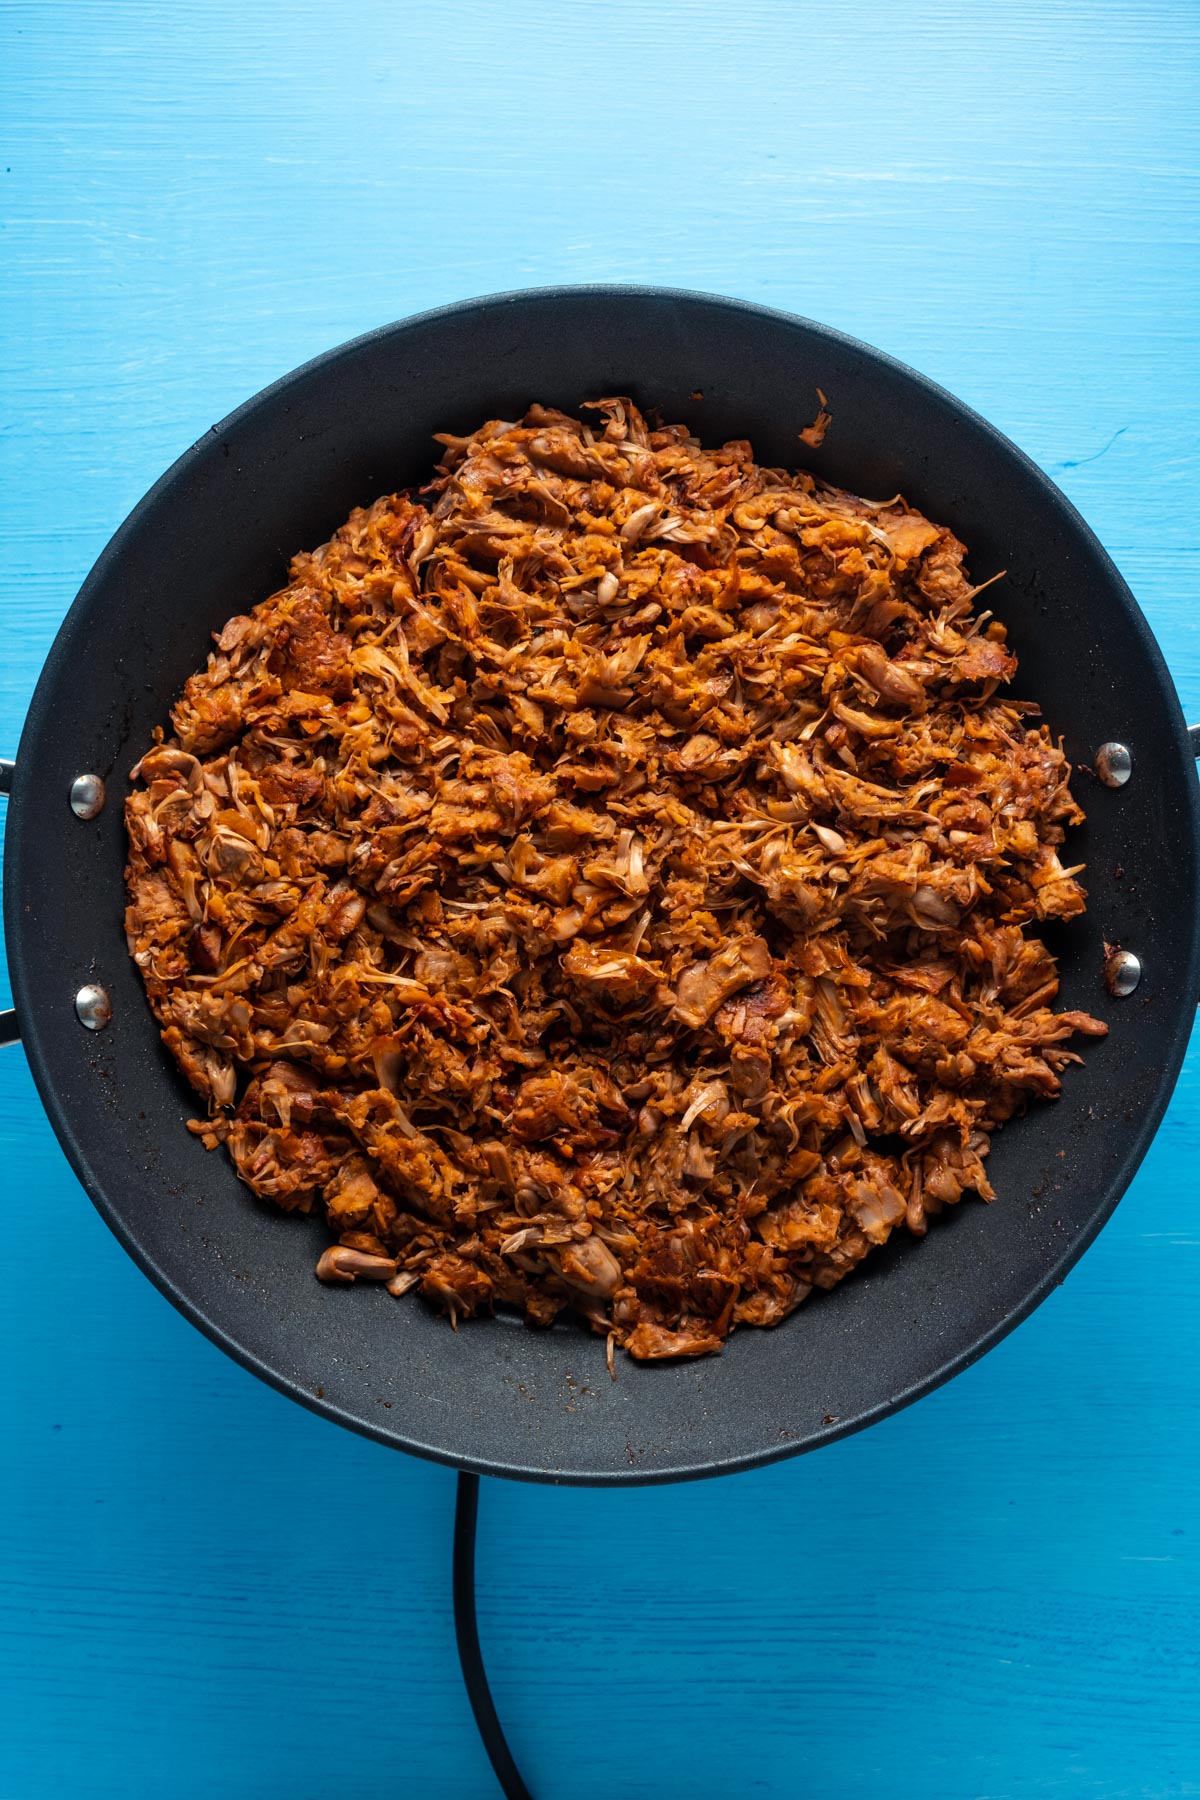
x=9, y=1033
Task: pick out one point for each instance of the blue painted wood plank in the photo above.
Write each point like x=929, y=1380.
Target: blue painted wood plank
x=202, y=1588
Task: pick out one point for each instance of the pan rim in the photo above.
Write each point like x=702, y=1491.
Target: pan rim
x=27, y=1002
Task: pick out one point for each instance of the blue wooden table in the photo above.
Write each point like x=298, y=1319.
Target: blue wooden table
x=204, y=1590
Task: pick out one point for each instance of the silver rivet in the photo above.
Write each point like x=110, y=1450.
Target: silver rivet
x=1114, y=765
x=1122, y=972
x=87, y=796
x=93, y=1008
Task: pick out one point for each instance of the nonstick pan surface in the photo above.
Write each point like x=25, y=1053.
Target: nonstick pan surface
x=214, y=537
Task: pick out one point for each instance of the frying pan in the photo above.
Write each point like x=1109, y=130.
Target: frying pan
x=214, y=536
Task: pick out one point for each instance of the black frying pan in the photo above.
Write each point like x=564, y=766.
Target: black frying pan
x=214, y=536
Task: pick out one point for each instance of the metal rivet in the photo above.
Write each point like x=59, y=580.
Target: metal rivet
x=1114, y=764
x=93, y=1008
x=87, y=796
x=1122, y=972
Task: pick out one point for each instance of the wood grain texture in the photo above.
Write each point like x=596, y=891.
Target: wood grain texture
x=203, y=1589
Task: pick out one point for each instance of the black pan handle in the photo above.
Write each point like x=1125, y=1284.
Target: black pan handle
x=9, y=1033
